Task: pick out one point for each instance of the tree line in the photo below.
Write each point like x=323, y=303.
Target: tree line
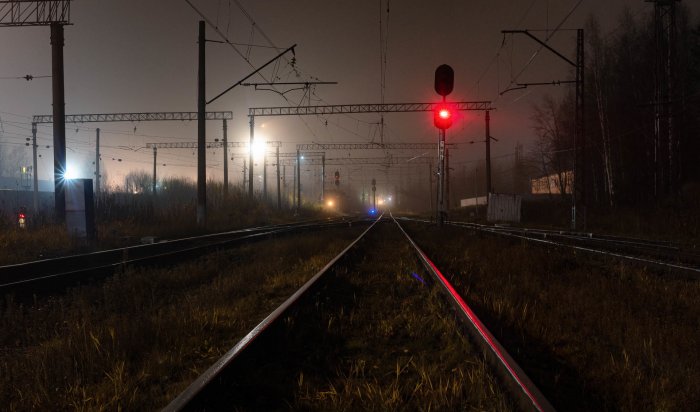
x=635, y=152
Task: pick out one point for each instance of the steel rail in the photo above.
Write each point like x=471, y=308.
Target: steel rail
x=522, y=387
x=587, y=236
x=692, y=271
x=36, y=272
x=192, y=397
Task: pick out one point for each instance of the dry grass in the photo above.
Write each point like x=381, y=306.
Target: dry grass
x=122, y=219
x=135, y=341
x=594, y=336
x=376, y=338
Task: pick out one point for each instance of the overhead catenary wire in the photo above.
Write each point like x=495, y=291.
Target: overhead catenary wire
x=514, y=79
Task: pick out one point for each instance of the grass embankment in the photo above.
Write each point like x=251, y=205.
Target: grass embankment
x=135, y=341
x=677, y=221
x=375, y=338
x=593, y=336
x=122, y=219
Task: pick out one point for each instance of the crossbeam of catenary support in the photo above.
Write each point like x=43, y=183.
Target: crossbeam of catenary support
x=362, y=161
x=209, y=145
x=133, y=117
x=34, y=13
x=367, y=146
x=364, y=108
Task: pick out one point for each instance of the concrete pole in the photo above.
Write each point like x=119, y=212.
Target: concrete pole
x=441, y=181
x=35, y=170
x=59, y=121
x=323, y=178
x=298, y=180
x=265, y=175
x=430, y=186
x=250, y=157
x=201, y=131
x=279, y=194
x=97, y=164
x=225, y=160
x=244, y=174
x=155, y=155
x=284, y=184
x=447, y=180
x=488, y=154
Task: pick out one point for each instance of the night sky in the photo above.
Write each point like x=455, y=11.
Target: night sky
x=141, y=56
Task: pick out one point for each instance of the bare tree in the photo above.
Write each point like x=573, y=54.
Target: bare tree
x=599, y=69
x=137, y=182
x=552, y=125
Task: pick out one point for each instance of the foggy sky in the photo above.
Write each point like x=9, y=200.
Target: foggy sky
x=135, y=56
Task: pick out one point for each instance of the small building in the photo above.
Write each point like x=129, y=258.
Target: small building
x=552, y=184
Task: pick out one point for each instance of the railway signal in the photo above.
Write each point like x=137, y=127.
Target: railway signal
x=444, y=80
x=337, y=178
x=22, y=218
x=443, y=116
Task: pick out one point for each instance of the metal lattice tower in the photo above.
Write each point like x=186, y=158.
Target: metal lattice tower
x=56, y=14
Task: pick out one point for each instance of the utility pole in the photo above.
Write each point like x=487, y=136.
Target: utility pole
x=155, y=155
x=430, y=185
x=264, y=165
x=36, y=170
x=578, y=194
x=488, y=153
x=97, y=165
x=225, y=160
x=279, y=194
x=298, y=180
x=55, y=14
x=59, y=120
x=580, y=143
x=476, y=192
x=323, y=178
x=250, y=157
x=201, y=130
x=284, y=184
x=441, y=182
x=245, y=173
x=447, y=180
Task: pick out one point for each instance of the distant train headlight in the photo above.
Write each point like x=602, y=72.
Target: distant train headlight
x=330, y=203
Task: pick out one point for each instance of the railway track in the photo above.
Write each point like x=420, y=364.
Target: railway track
x=327, y=329
x=49, y=275
x=663, y=255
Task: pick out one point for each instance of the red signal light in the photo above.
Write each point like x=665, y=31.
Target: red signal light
x=22, y=216
x=443, y=117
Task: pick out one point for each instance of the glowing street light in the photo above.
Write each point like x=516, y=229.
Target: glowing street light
x=70, y=173
x=259, y=147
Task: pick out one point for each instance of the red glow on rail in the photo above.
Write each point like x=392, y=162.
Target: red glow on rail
x=482, y=330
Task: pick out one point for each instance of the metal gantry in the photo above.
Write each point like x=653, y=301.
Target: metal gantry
x=366, y=146
x=363, y=108
x=133, y=117
x=126, y=117
x=353, y=108
x=339, y=161
x=34, y=12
